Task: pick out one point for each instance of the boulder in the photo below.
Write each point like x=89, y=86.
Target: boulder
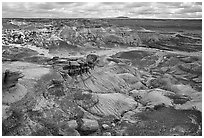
x=89, y=125
x=72, y=124
x=70, y=132
x=105, y=126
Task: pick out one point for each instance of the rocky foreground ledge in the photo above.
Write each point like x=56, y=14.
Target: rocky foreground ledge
x=116, y=98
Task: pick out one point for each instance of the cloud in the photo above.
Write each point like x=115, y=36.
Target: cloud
x=102, y=10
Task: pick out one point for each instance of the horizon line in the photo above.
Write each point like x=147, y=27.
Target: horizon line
x=97, y=18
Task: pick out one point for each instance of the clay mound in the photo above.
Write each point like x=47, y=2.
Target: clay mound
x=194, y=103
x=112, y=78
x=170, y=85
x=103, y=82
x=152, y=98
x=113, y=104
x=108, y=104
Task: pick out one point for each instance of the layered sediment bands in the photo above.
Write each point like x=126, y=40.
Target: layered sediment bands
x=179, y=73
x=109, y=104
x=119, y=78
x=170, y=42
x=103, y=82
x=182, y=66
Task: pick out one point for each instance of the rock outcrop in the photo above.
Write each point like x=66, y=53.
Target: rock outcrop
x=102, y=105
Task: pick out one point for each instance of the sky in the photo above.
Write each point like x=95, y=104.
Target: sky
x=102, y=9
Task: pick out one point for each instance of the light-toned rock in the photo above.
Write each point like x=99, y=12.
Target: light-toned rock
x=152, y=98
x=72, y=124
x=105, y=126
x=112, y=104
x=103, y=82
x=182, y=89
x=89, y=125
x=107, y=134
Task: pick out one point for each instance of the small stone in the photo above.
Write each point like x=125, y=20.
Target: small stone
x=70, y=132
x=72, y=124
x=113, y=124
x=107, y=134
x=105, y=126
x=89, y=125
